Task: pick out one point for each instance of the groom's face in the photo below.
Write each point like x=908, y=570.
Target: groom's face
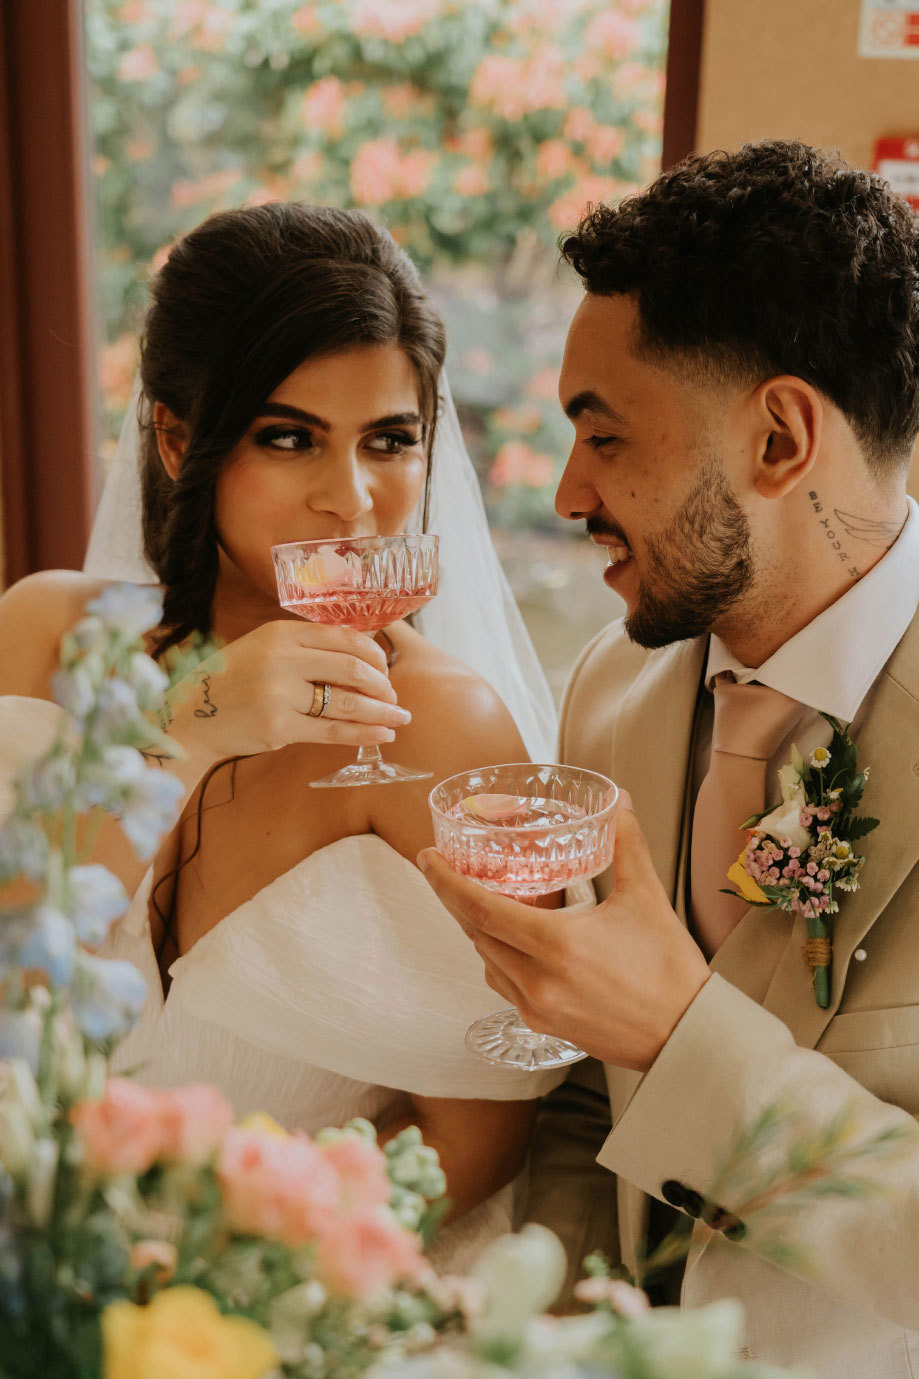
x=647, y=476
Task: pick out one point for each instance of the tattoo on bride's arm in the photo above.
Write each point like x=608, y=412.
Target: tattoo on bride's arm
x=164, y=715
x=207, y=707
x=830, y=532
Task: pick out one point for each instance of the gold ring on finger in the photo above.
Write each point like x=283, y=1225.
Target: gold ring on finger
x=322, y=693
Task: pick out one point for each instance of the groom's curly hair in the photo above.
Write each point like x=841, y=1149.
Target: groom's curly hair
x=779, y=258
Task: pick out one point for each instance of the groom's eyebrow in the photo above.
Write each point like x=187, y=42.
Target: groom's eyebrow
x=590, y=401
x=290, y=413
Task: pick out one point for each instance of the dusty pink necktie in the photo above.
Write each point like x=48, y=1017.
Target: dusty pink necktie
x=751, y=722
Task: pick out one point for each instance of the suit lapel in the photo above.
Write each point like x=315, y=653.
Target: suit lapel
x=889, y=745
x=652, y=737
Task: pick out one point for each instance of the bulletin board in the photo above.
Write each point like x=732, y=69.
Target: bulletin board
x=791, y=69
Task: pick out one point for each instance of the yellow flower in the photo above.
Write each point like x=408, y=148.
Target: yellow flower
x=182, y=1335
x=745, y=883
x=260, y=1120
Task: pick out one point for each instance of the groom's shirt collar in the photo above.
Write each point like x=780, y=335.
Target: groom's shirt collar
x=831, y=664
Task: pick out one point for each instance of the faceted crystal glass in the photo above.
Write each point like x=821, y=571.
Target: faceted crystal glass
x=365, y=582
x=524, y=830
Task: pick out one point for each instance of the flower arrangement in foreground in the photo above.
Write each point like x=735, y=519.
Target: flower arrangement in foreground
x=143, y=1235
x=799, y=855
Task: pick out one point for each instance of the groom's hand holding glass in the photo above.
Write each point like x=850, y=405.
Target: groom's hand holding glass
x=614, y=980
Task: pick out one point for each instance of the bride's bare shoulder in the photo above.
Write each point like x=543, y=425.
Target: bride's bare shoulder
x=34, y=614
x=454, y=710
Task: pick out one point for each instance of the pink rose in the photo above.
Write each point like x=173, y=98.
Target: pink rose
x=363, y=1254
x=195, y=1120
x=282, y=1188
x=361, y=1169
x=122, y=1133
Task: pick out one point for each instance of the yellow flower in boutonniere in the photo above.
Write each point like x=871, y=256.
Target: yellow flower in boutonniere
x=182, y=1335
x=745, y=884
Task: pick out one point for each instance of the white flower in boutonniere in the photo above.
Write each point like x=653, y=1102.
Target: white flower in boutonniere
x=799, y=854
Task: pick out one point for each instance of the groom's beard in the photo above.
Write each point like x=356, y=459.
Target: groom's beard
x=697, y=568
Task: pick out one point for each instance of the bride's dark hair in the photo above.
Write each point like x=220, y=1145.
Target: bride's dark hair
x=239, y=304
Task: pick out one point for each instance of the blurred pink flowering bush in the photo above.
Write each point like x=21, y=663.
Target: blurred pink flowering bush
x=477, y=133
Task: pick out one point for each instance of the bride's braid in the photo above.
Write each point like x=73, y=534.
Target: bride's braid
x=241, y=302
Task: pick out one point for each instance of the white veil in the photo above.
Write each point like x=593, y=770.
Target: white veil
x=474, y=616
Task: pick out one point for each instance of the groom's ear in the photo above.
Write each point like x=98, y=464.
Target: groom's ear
x=790, y=420
x=171, y=438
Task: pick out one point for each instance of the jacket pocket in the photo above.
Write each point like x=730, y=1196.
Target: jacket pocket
x=880, y=1049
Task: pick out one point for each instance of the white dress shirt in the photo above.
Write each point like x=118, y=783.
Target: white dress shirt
x=832, y=664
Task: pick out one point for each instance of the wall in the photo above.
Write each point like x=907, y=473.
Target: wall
x=789, y=69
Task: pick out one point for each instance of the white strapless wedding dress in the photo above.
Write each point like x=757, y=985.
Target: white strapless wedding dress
x=339, y=986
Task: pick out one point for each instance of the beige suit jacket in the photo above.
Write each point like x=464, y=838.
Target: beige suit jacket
x=755, y=1036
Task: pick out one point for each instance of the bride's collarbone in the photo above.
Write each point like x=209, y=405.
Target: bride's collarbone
x=246, y=826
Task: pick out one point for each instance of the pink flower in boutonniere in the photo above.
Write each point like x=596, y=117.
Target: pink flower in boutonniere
x=800, y=854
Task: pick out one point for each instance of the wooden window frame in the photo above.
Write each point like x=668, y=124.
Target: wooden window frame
x=47, y=398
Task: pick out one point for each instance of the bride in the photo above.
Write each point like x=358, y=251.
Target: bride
x=294, y=955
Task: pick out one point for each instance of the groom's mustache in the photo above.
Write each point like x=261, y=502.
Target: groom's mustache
x=599, y=526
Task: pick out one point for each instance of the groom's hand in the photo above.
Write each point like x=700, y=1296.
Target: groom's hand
x=614, y=980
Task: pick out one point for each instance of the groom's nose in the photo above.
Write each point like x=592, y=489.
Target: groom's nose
x=575, y=497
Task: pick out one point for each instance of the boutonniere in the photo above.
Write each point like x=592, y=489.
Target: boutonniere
x=800, y=856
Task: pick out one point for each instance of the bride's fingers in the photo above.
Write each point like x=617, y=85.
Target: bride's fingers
x=350, y=707
x=337, y=732
x=346, y=672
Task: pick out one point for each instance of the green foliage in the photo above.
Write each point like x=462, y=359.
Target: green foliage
x=475, y=132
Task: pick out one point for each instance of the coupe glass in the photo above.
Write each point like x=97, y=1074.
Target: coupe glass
x=365, y=582
x=524, y=830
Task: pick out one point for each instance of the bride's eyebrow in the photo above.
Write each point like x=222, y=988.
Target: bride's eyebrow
x=283, y=409
x=289, y=413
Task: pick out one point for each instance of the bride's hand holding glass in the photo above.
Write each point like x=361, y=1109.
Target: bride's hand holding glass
x=257, y=693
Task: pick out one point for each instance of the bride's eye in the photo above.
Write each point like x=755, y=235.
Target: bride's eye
x=285, y=438
x=394, y=442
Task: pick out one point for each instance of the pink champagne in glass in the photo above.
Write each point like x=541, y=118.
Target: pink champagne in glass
x=365, y=582
x=524, y=830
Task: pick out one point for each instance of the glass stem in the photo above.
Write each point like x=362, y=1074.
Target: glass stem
x=369, y=756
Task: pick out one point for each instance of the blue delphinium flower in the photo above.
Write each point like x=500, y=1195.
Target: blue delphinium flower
x=107, y=996
x=43, y=784
x=75, y=690
x=20, y=1036
x=146, y=679
x=49, y=944
x=96, y=899
x=128, y=609
x=23, y=850
x=149, y=808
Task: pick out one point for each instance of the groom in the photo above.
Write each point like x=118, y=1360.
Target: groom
x=743, y=379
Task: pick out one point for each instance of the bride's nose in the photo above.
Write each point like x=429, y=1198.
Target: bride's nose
x=342, y=488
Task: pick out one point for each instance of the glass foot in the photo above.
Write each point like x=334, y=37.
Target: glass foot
x=370, y=773
x=504, y=1038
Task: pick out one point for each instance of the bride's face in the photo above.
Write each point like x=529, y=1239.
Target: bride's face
x=337, y=450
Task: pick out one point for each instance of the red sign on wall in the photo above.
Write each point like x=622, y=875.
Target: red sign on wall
x=897, y=160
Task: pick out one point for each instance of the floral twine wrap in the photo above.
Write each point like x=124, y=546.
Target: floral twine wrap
x=799, y=855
